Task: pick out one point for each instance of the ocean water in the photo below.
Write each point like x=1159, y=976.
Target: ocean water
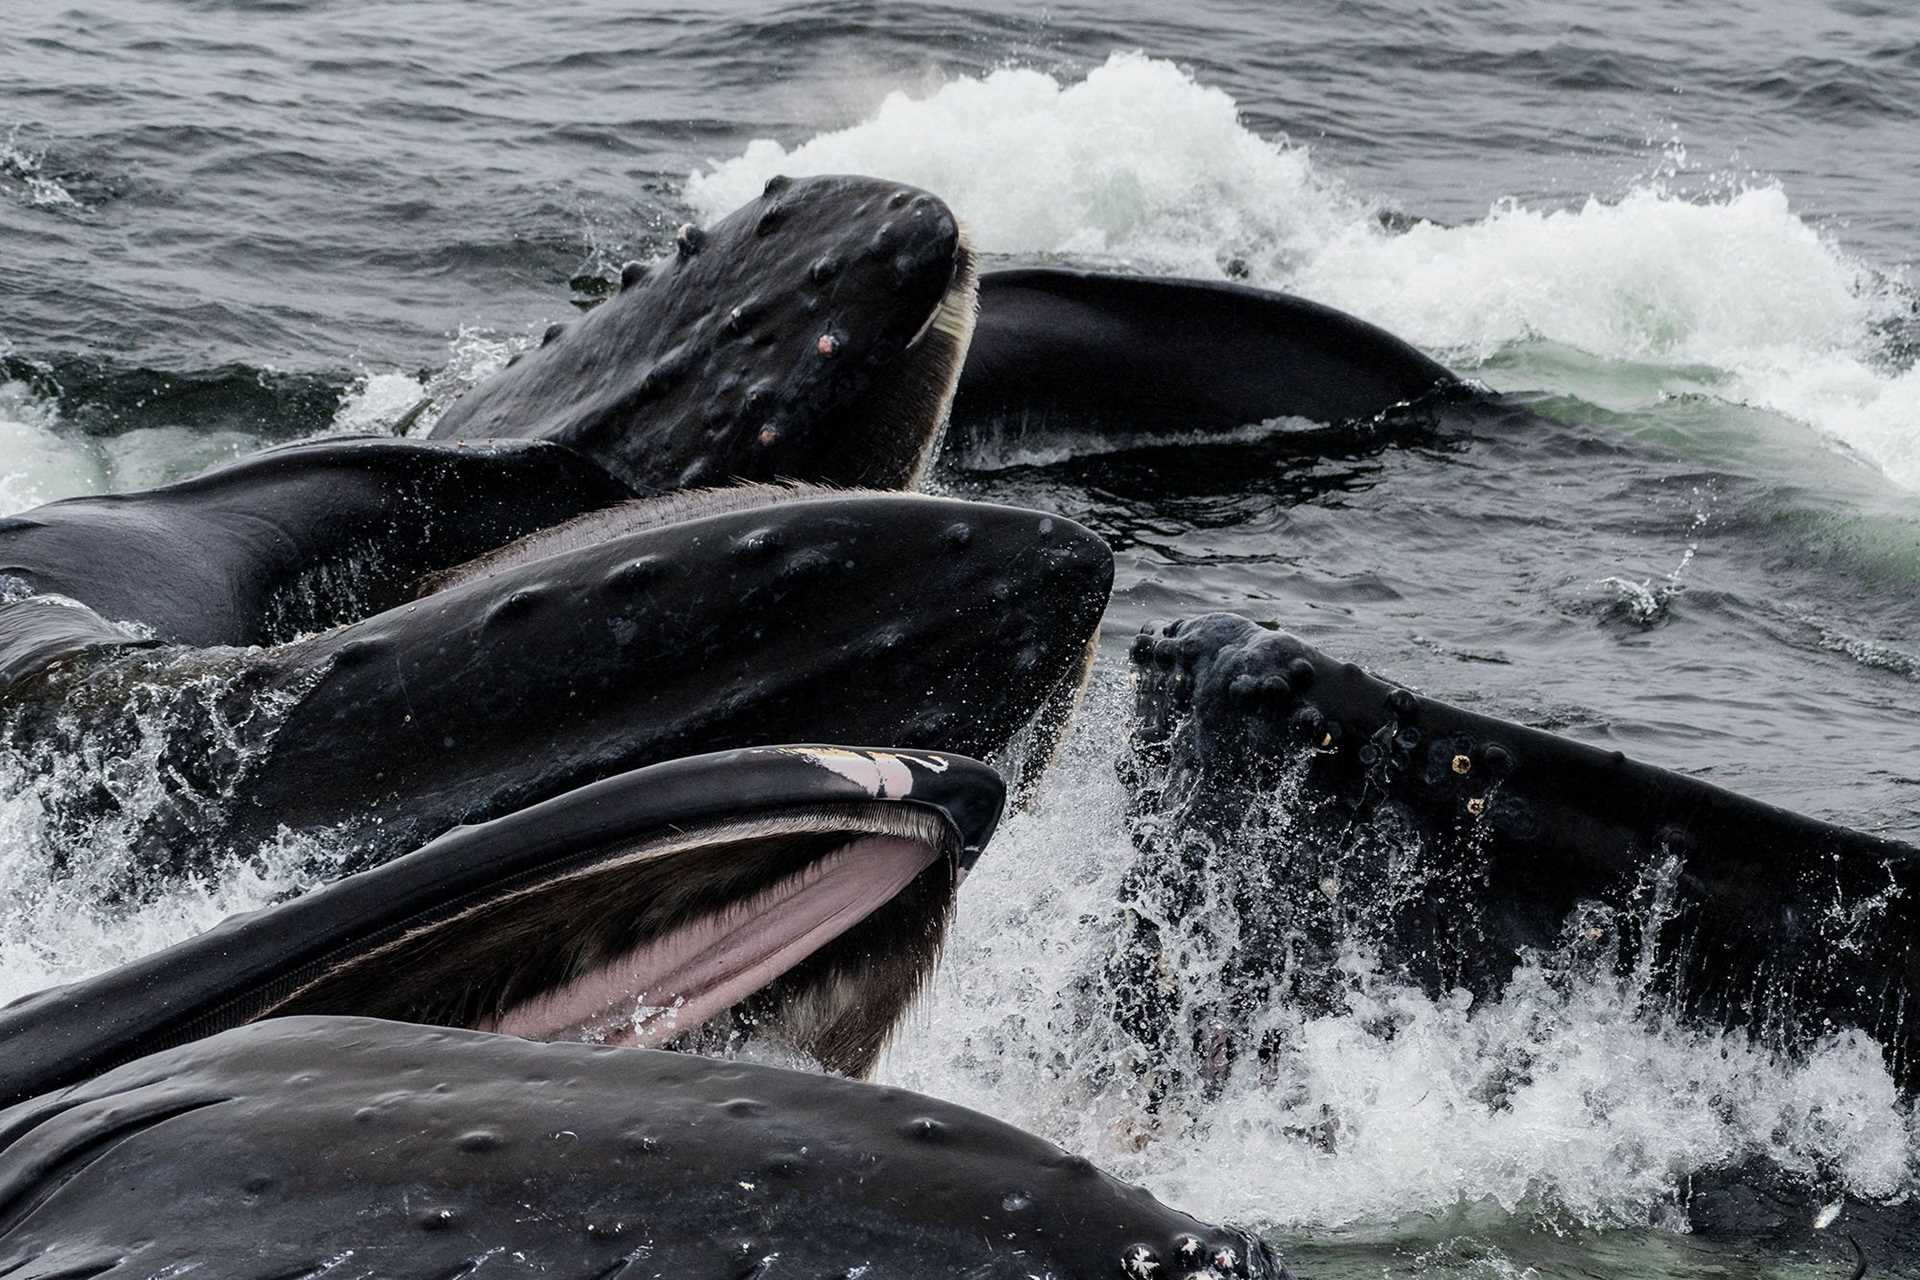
x=1679, y=241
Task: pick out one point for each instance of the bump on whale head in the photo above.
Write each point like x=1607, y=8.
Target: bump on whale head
x=817, y=333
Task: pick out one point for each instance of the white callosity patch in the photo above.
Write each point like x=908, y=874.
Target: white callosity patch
x=884, y=775
x=1573, y=1095
x=1140, y=166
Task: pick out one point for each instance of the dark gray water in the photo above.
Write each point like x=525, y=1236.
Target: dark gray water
x=1682, y=240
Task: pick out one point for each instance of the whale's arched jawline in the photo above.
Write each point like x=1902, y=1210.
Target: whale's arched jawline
x=580, y=951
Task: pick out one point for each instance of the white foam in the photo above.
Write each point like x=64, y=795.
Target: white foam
x=21, y=167
x=1648, y=277
x=376, y=403
x=1563, y=1097
x=38, y=462
x=1141, y=165
x=54, y=931
x=78, y=804
x=473, y=355
x=1137, y=162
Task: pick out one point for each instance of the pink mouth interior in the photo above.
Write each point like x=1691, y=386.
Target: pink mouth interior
x=672, y=984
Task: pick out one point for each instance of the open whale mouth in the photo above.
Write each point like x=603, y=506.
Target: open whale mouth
x=813, y=926
x=796, y=894
x=683, y=975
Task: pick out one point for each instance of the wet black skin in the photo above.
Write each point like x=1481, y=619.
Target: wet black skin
x=1772, y=1211
x=296, y=1145
x=1060, y=350
x=296, y=538
x=495, y=913
x=917, y=621
x=784, y=342
x=1768, y=919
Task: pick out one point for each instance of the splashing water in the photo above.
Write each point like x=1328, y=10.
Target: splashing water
x=82, y=794
x=1140, y=166
x=40, y=462
x=1570, y=1098
x=1645, y=604
x=376, y=404
x=21, y=169
x=387, y=403
x=1135, y=164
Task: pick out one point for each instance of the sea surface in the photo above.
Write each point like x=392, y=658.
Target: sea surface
x=1680, y=240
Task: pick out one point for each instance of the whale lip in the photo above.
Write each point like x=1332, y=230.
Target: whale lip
x=476, y=928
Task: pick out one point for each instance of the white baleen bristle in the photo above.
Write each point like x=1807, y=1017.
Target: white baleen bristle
x=951, y=329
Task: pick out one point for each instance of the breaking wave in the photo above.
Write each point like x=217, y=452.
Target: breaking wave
x=1140, y=166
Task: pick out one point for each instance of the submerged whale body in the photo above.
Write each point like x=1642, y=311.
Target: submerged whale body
x=297, y=538
x=645, y=632
x=1457, y=843
x=296, y=1145
x=1155, y=357
x=795, y=892
x=814, y=334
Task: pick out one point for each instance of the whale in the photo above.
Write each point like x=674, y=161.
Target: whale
x=248, y=1103
x=814, y=334
x=1152, y=359
x=1458, y=843
x=311, y=1146
x=294, y=539
x=637, y=634
x=796, y=894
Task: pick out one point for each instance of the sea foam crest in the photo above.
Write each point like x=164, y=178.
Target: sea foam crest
x=41, y=463
x=1140, y=165
x=1136, y=163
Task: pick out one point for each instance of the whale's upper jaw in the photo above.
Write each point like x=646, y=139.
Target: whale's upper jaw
x=816, y=334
